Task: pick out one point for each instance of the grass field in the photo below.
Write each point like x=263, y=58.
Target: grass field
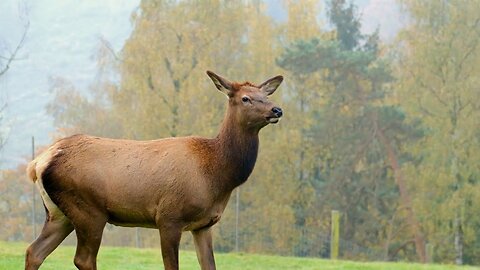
x=113, y=258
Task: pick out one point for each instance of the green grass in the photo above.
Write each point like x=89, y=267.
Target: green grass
x=110, y=258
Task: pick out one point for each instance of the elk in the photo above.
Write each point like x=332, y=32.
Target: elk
x=171, y=184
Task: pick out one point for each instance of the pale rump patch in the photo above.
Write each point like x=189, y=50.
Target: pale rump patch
x=35, y=170
x=42, y=161
x=53, y=210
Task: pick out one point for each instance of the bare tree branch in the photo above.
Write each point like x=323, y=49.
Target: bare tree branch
x=429, y=88
x=109, y=47
x=2, y=139
x=13, y=55
x=152, y=87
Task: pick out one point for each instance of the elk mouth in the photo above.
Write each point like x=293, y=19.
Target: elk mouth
x=273, y=119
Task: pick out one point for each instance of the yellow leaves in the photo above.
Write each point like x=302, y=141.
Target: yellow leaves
x=360, y=166
x=345, y=109
x=438, y=81
x=302, y=20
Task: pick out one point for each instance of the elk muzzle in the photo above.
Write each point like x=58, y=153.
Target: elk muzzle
x=276, y=114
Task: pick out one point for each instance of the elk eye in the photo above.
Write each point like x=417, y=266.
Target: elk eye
x=245, y=99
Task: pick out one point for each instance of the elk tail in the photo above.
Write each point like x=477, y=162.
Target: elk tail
x=32, y=171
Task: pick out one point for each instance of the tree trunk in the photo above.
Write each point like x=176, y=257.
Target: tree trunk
x=458, y=241
x=400, y=181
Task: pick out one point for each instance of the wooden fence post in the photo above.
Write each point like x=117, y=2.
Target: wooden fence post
x=429, y=251
x=335, y=235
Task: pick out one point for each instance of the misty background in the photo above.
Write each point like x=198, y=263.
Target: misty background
x=381, y=102
x=62, y=40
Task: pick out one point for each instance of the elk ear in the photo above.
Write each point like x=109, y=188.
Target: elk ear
x=221, y=83
x=270, y=85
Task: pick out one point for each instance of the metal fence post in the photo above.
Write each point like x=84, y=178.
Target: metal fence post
x=237, y=209
x=137, y=237
x=34, y=214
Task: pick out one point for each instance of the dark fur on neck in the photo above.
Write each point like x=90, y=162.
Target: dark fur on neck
x=230, y=157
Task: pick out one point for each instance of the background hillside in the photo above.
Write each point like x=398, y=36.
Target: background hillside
x=62, y=41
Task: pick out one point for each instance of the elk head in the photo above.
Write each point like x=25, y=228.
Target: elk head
x=248, y=103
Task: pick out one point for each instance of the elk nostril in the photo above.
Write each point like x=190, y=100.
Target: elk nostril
x=277, y=111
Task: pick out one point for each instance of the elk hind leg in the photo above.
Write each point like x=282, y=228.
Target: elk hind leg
x=55, y=230
x=89, y=236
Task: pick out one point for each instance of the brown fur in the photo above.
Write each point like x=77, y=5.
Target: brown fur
x=173, y=184
x=31, y=172
x=237, y=86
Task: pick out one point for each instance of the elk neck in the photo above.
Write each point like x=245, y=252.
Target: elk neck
x=236, y=150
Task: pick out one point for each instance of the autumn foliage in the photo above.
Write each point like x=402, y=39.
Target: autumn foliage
x=387, y=134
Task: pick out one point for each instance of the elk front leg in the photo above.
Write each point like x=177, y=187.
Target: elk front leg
x=204, y=248
x=169, y=241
